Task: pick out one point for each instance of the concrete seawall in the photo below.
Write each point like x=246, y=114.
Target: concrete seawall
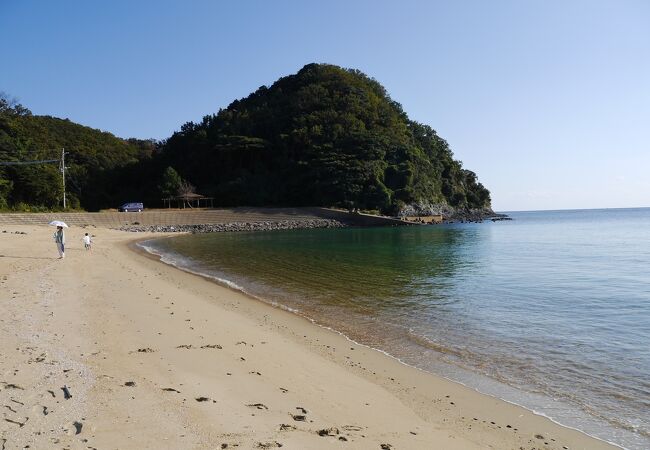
x=196, y=217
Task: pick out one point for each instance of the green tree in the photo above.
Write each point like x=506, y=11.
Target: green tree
x=5, y=192
x=9, y=105
x=170, y=182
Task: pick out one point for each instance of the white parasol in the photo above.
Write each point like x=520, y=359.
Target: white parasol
x=58, y=223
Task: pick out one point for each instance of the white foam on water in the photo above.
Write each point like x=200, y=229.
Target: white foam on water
x=182, y=263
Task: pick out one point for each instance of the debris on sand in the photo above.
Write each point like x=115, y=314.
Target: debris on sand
x=15, y=422
x=328, y=432
x=66, y=392
x=146, y=350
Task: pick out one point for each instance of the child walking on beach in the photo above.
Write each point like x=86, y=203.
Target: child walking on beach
x=59, y=238
x=87, y=241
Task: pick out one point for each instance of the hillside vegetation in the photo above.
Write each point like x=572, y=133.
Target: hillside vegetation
x=325, y=136
x=93, y=158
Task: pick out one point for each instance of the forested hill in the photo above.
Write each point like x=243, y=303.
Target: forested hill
x=93, y=159
x=324, y=136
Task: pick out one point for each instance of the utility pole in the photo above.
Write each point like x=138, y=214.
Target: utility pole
x=63, y=173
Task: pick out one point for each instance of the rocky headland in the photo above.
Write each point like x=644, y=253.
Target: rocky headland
x=451, y=214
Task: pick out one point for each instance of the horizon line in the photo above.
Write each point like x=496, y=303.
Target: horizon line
x=571, y=209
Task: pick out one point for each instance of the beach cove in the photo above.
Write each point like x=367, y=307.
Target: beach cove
x=155, y=357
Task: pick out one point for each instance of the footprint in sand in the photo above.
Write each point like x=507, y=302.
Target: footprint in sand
x=258, y=406
x=171, y=390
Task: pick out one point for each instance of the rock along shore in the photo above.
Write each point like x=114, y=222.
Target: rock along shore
x=236, y=226
x=451, y=214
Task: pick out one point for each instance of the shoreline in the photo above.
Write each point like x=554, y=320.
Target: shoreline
x=120, y=317
x=137, y=245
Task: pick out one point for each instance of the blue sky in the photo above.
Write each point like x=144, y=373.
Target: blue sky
x=547, y=101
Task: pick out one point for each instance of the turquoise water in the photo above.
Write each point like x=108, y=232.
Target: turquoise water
x=550, y=310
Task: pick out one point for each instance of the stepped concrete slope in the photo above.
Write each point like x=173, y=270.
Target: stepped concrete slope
x=193, y=217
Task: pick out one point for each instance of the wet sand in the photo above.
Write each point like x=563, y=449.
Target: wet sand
x=155, y=358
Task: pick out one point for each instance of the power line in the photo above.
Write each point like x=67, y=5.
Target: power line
x=27, y=163
x=61, y=162
x=5, y=153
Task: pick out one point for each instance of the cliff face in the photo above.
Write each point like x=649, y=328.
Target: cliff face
x=449, y=213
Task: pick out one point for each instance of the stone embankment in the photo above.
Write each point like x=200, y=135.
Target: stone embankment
x=236, y=226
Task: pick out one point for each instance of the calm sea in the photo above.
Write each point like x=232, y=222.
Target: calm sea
x=550, y=310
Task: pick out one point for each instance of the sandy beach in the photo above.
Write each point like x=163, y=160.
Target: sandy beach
x=156, y=358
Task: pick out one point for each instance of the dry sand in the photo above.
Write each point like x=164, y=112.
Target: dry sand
x=156, y=358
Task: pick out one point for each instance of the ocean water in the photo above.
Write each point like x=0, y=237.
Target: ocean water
x=550, y=311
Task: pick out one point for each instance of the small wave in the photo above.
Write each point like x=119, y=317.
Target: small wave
x=431, y=345
x=183, y=263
